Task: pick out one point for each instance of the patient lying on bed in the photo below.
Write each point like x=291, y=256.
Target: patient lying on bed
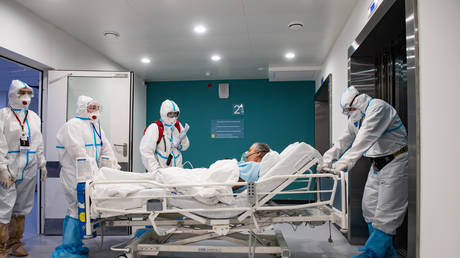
x=254, y=164
x=249, y=165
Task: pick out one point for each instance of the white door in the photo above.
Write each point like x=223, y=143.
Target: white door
x=114, y=91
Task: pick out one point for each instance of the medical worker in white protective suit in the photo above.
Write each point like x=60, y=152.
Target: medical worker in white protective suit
x=80, y=138
x=375, y=130
x=164, y=139
x=21, y=154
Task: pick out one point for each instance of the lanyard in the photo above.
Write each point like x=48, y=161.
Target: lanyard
x=19, y=121
x=99, y=134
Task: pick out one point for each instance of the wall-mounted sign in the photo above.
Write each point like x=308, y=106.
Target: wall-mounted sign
x=227, y=129
x=238, y=109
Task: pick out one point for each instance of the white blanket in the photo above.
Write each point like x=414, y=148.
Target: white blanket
x=222, y=171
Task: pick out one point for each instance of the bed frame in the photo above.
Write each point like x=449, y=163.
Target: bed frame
x=182, y=230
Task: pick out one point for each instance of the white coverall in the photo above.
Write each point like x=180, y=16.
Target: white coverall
x=18, y=199
x=375, y=130
x=81, y=137
x=155, y=156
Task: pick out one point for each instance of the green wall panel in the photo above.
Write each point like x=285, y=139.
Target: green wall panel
x=276, y=113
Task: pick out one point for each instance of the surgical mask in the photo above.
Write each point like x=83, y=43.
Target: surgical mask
x=25, y=100
x=170, y=121
x=355, y=115
x=244, y=156
x=94, y=116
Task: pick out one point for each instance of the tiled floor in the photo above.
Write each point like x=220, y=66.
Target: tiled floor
x=305, y=242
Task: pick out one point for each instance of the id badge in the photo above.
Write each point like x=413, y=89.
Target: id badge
x=24, y=143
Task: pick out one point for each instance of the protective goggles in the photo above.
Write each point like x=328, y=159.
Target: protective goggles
x=93, y=107
x=347, y=109
x=25, y=91
x=173, y=114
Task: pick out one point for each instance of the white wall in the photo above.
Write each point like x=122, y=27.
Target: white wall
x=439, y=38
x=26, y=34
x=337, y=61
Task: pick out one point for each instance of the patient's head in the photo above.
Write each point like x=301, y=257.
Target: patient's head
x=257, y=151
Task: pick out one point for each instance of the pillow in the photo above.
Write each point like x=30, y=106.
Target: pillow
x=268, y=161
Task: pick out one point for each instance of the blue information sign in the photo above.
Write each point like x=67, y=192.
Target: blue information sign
x=227, y=129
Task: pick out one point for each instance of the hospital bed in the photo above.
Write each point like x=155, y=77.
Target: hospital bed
x=180, y=223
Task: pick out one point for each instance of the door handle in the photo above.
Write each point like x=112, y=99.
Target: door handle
x=125, y=148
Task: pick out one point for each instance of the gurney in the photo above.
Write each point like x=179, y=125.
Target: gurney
x=180, y=222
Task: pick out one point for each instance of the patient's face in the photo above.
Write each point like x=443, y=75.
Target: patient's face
x=253, y=155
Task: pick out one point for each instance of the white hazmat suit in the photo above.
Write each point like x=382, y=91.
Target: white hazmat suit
x=81, y=137
x=19, y=161
x=375, y=130
x=155, y=156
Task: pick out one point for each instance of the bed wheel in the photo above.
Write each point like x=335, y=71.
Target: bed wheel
x=122, y=256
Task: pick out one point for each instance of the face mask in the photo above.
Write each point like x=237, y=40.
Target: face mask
x=355, y=115
x=244, y=156
x=25, y=100
x=171, y=121
x=94, y=116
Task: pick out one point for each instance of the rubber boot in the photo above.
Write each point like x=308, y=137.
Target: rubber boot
x=16, y=231
x=3, y=240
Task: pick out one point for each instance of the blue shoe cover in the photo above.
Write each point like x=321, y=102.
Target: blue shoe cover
x=83, y=250
x=391, y=252
x=370, y=228
x=364, y=254
x=72, y=246
x=379, y=243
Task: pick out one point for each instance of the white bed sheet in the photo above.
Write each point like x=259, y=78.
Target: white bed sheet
x=290, y=160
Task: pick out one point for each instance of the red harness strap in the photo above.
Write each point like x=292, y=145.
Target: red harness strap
x=161, y=128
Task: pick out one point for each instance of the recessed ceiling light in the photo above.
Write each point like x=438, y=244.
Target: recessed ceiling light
x=289, y=55
x=208, y=74
x=200, y=29
x=295, y=25
x=145, y=60
x=215, y=58
x=111, y=35
x=260, y=68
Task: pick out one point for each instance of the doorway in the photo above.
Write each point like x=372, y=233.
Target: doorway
x=378, y=67
x=11, y=70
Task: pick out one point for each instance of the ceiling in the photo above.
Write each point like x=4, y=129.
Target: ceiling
x=247, y=34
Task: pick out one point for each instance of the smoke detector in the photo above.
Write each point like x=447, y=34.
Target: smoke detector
x=295, y=25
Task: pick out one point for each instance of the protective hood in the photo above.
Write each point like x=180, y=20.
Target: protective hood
x=347, y=97
x=362, y=102
x=14, y=100
x=166, y=107
x=82, y=108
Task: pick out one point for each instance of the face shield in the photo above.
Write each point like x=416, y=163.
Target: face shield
x=347, y=99
x=20, y=95
x=94, y=110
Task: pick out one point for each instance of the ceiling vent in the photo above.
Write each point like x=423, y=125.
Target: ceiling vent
x=292, y=73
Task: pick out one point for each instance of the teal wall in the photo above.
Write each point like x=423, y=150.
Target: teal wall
x=276, y=113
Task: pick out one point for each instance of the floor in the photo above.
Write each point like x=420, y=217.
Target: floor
x=304, y=242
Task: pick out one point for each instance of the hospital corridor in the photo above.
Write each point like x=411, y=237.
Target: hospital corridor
x=229, y=128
